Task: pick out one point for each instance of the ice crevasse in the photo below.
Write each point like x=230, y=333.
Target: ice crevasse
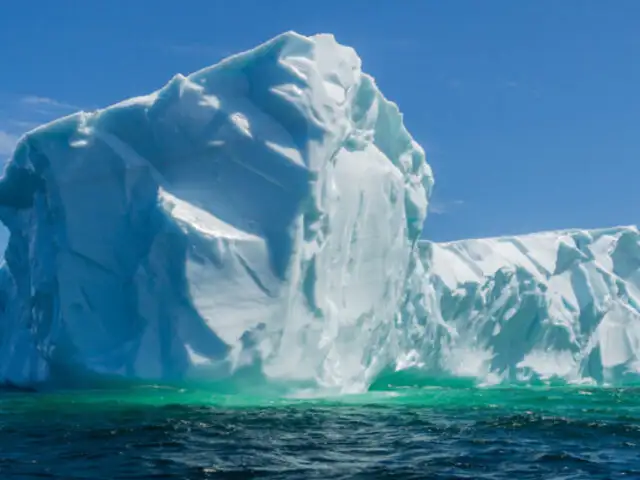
x=265, y=213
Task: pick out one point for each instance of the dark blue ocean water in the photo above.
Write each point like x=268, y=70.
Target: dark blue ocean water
x=436, y=432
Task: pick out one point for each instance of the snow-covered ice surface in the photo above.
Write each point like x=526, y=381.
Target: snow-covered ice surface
x=263, y=211
x=557, y=305
x=264, y=215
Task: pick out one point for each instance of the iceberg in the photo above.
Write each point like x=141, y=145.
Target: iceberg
x=263, y=211
x=264, y=215
x=561, y=306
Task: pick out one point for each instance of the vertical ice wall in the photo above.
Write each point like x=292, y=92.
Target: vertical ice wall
x=261, y=210
x=551, y=306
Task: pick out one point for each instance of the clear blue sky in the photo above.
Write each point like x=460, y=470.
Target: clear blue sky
x=529, y=111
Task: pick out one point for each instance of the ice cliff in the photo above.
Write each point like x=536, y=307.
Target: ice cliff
x=264, y=210
x=549, y=306
x=265, y=214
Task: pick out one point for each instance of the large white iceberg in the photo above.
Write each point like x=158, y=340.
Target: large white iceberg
x=262, y=210
x=265, y=213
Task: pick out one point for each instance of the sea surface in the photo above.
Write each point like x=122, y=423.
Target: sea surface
x=444, y=430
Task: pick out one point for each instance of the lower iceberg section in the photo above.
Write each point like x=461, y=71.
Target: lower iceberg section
x=561, y=306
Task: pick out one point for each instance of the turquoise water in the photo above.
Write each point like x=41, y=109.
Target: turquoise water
x=439, y=430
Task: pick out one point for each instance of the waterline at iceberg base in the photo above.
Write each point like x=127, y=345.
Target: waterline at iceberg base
x=262, y=218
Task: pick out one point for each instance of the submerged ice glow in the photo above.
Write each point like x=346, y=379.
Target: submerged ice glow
x=265, y=214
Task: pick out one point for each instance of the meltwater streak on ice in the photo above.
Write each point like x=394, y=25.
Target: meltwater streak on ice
x=254, y=227
x=260, y=214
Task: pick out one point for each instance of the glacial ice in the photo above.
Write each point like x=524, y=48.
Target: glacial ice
x=549, y=306
x=264, y=210
x=265, y=213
